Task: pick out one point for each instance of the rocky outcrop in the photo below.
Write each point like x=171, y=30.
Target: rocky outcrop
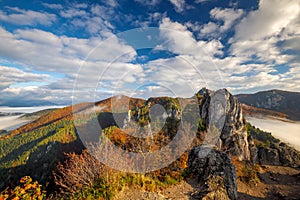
x=278, y=154
x=215, y=173
x=221, y=110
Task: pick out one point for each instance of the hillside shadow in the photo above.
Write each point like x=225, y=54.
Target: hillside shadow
x=27, y=146
x=40, y=164
x=107, y=119
x=276, y=178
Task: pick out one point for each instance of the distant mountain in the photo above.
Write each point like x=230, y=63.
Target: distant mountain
x=27, y=103
x=37, y=114
x=250, y=111
x=276, y=100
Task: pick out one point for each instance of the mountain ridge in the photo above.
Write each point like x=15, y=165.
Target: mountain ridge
x=285, y=102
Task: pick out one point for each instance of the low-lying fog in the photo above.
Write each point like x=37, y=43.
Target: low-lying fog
x=12, y=122
x=287, y=132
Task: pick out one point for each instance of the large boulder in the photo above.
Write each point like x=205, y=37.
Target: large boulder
x=215, y=173
x=221, y=110
x=268, y=156
x=278, y=154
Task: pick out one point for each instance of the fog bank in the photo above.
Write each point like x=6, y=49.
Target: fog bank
x=12, y=122
x=287, y=132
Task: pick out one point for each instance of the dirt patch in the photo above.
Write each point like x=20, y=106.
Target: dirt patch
x=276, y=182
x=180, y=191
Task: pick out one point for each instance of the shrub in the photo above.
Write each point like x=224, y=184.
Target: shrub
x=262, y=138
x=84, y=177
x=77, y=172
x=249, y=174
x=28, y=190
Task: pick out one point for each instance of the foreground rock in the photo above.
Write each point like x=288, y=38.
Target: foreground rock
x=215, y=173
x=278, y=154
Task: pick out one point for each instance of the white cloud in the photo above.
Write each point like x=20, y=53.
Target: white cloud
x=197, y=62
x=95, y=19
x=112, y=3
x=270, y=19
x=185, y=74
x=260, y=32
x=17, y=90
x=72, y=12
x=45, y=51
x=80, y=5
x=264, y=36
x=239, y=72
x=94, y=26
x=27, y=17
x=179, y=5
x=201, y=1
x=53, y=6
x=38, y=37
x=180, y=40
x=226, y=19
x=148, y=2
x=11, y=76
x=210, y=28
x=227, y=15
x=264, y=50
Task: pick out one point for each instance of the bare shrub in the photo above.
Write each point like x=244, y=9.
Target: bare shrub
x=78, y=171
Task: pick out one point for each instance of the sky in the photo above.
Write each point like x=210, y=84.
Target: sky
x=73, y=51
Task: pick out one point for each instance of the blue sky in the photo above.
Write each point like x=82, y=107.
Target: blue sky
x=57, y=51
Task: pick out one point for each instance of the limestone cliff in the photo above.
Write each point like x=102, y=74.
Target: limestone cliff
x=222, y=110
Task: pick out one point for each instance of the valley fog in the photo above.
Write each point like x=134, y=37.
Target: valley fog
x=12, y=122
x=287, y=132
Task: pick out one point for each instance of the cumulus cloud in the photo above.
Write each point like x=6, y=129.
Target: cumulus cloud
x=112, y=3
x=261, y=31
x=148, y=2
x=53, y=5
x=225, y=18
x=180, y=40
x=103, y=64
x=95, y=19
x=201, y=1
x=270, y=19
x=45, y=51
x=19, y=16
x=11, y=76
x=237, y=72
x=72, y=12
x=179, y=5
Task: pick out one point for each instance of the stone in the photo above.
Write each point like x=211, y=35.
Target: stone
x=215, y=173
x=279, y=154
x=220, y=109
x=268, y=156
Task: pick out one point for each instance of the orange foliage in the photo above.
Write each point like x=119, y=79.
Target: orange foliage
x=26, y=190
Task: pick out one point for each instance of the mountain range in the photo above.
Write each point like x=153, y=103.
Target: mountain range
x=280, y=101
